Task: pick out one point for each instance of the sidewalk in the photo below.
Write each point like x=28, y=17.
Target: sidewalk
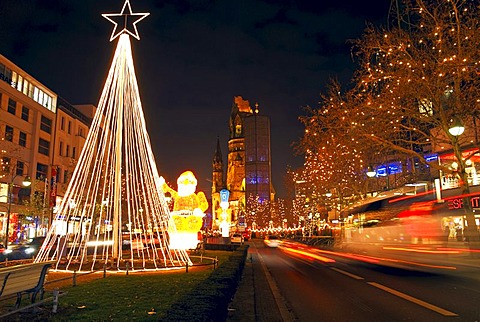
x=255, y=300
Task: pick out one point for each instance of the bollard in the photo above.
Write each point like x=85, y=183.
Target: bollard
x=74, y=278
x=215, y=263
x=55, y=300
x=127, y=265
x=104, y=271
x=186, y=268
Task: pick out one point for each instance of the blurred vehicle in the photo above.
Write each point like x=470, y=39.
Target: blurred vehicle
x=2, y=253
x=141, y=241
x=236, y=238
x=24, y=250
x=246, y=235
x=272, y=241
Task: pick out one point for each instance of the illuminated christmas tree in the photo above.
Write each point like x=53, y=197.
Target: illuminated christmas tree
x=114, y=212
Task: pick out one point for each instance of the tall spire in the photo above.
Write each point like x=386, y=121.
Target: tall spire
x=217, y=158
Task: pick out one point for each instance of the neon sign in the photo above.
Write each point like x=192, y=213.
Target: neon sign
x=431, y=157
x=457, y=203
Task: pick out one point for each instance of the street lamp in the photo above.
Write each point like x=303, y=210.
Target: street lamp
x=371, y=172
x=26, y=183
x=456, y=127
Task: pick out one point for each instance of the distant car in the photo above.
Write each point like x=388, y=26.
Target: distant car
x=246, y=235
x=272, y=241
x=236, y=238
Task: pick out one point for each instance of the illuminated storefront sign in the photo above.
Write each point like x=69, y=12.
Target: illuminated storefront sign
x=393, y=168
x=457, y=203
x=431, y=157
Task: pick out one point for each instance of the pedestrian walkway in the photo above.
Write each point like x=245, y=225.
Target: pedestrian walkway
x=257, y=298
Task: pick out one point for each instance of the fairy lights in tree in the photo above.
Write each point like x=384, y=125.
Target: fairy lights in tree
x=114, y=212
x=411, y=82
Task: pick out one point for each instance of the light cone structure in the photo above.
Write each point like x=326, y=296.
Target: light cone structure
x=114, y=212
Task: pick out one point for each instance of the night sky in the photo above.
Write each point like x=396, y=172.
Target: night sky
x=192, y=59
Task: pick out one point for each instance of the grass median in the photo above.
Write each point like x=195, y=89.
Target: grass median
x=136, y=297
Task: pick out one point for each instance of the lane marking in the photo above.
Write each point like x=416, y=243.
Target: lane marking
x=347, y=273
x=413, y=299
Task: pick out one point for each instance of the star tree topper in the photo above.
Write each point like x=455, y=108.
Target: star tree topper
x=126, y=19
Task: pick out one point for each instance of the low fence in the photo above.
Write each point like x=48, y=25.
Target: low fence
x=72, y=279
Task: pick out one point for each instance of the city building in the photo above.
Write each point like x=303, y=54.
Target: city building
x=248, y=169
x=41, y=136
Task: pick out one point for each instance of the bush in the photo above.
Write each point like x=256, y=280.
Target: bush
x=210, y=299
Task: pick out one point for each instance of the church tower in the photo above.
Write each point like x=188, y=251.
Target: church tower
x=248, y=169
x=217, y=181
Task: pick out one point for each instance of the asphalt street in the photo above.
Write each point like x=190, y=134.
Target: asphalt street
x=299, y=284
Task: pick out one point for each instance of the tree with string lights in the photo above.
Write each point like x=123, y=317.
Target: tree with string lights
x=415, y=81
x=335, y=157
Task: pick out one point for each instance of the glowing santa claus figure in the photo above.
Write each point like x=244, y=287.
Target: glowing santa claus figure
x=188, y=211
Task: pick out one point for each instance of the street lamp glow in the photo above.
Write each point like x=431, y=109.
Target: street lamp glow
x=27, y=181
x=371, y=172
x=456, y=127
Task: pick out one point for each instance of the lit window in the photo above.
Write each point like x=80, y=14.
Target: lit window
x=14, y=79
x=40, y=97
x=49, y=103
x=19, y=83
x=35, y=94
x=25, y=87
x=30, y=90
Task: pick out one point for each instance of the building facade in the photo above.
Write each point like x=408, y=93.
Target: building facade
x=38, y=131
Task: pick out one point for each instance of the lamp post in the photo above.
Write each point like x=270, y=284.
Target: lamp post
x=456, y=129
x=26, y=183
x=371, y=173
